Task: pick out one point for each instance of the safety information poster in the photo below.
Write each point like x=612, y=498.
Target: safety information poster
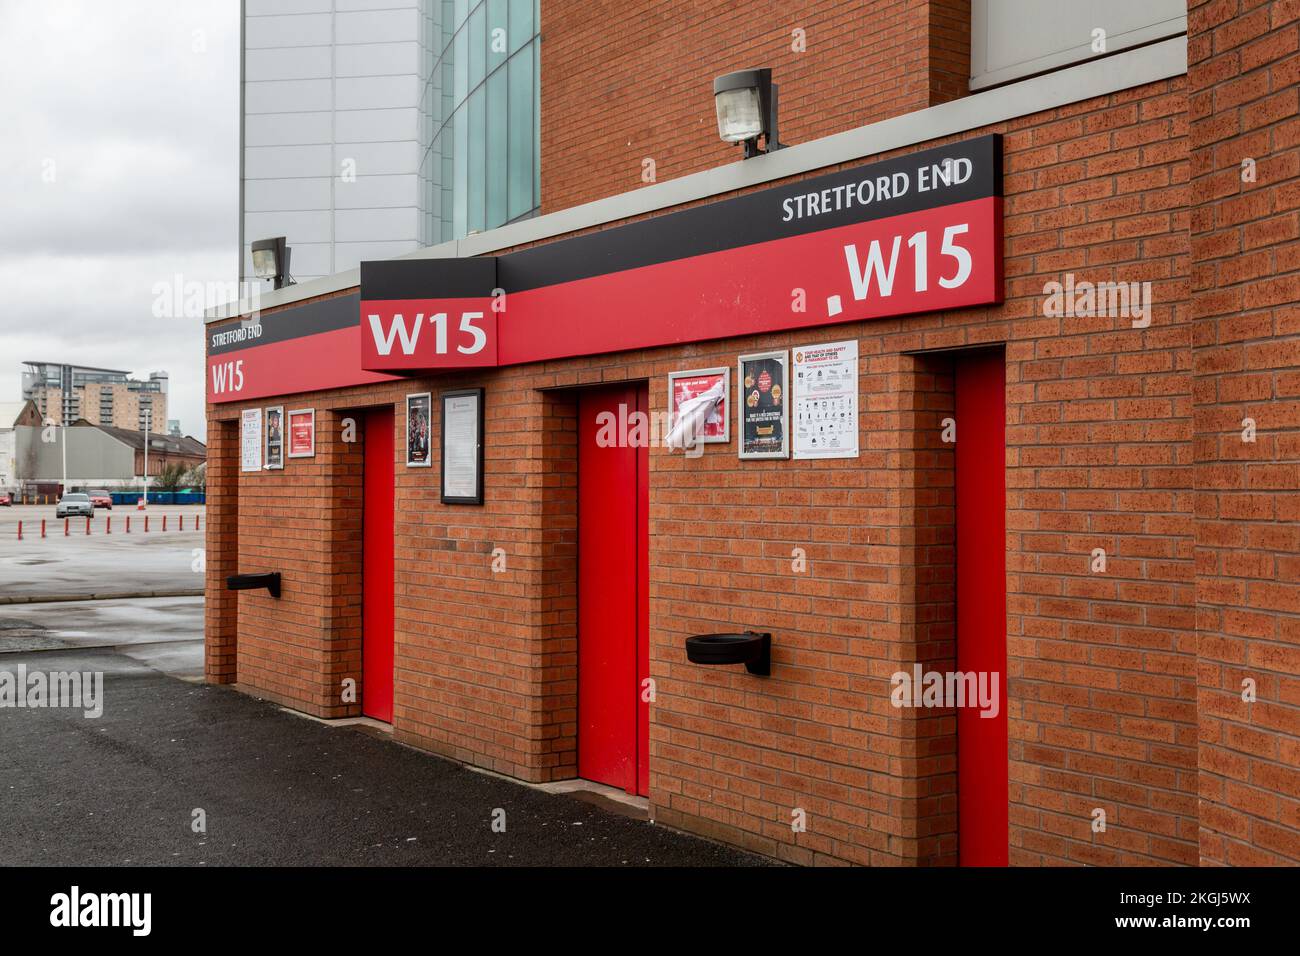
x=250, y=440
x=825, y=412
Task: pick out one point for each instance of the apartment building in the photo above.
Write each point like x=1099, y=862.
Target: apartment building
x=102, y=396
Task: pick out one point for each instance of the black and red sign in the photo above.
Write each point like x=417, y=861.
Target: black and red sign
x=915, y=233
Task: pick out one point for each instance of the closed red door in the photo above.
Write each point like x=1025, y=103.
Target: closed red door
x=377, y=568
x=613, y=588
x=982, y=776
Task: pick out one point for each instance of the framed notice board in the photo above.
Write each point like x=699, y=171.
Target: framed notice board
x=462, y=446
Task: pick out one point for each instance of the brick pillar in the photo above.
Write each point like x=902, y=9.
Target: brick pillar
x=1243, y=75
x=339, y=467
x=221, y=608
x=927, y=604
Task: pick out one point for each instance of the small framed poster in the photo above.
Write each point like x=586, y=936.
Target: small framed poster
x=274, y=437
x=250, y=440
x=418, y=407
x=825, y=418
x=462, y=446
x=706, y=394
x=302, y=433
x=763, y=404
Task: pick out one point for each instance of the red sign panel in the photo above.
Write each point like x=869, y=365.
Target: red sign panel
x=948, y=257
x=419, y=334
x=914, y=233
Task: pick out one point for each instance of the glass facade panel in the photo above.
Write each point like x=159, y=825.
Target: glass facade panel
x=479, y=114
x=477, y=158
x=498, y=32
x=477, y=46
x=519, y=135
x=523, y=22
x=496, y=147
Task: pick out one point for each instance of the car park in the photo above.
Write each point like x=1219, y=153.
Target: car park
x=75, y=505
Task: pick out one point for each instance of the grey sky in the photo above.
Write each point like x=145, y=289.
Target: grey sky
x=119, y=150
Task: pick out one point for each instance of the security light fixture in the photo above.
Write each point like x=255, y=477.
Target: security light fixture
x=746, y=104
x=271, y=261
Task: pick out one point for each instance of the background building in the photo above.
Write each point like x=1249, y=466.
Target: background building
x=65, y=393
x=13, y=415
x=369, y=133
x=98, y=456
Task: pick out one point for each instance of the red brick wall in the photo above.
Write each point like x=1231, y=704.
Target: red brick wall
x=1124, y=690
x=1102, y=685
x=305, y=522
x=626, y=82
x=1244, y=74
x=221, y=541
x=1102, y=665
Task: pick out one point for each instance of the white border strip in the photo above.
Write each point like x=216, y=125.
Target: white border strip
x=1159, y=61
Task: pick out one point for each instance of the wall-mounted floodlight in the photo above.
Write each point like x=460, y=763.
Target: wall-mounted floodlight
x=271, y=261
x=746, y=104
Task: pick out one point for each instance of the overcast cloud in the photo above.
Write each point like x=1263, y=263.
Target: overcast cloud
x=119, y=152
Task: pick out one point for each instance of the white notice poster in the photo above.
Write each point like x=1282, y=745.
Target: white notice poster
x=824, y=419
x=250, y=440
x=460, y=447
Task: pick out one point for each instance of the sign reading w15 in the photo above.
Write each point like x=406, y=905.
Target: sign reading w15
x=427, y=334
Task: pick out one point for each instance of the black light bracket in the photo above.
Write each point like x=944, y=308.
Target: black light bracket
x=253, y=582
x=768, y=96
x=753, y=649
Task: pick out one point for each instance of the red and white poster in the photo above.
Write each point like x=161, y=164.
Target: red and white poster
x=701, y=394
x=302, y=433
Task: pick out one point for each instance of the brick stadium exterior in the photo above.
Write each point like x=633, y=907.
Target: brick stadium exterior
x=1124, y=688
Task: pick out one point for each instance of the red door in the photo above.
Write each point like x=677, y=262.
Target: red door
x=982, y=785
x=377, y=568
x=613, y=588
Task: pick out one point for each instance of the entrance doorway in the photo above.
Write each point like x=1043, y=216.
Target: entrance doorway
x=613, y=587
x=982, y=774
x=377, y=567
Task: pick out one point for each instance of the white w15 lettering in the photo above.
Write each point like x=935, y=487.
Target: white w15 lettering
x=861, y=273
x=228, y=377
x=398, y=333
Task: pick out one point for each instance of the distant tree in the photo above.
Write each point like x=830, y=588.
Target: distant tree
x=170, y=478
x=197, y=477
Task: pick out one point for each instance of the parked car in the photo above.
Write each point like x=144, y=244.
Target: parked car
x=6, y=499
x=100, y=498
x=74, y=505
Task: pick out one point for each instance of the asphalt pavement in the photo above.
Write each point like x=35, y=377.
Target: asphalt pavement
x=270, y=787
x=273, y=788
x=85, y=624
x=103, y=561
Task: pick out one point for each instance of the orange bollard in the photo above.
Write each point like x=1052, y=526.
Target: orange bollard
x=87, y=526
x=128, y=524
x=42, y=527
x=196, y=522
x=146, y=522
x=20, y=531
x=164, y=522
x=108, y=525
x=65, y=526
